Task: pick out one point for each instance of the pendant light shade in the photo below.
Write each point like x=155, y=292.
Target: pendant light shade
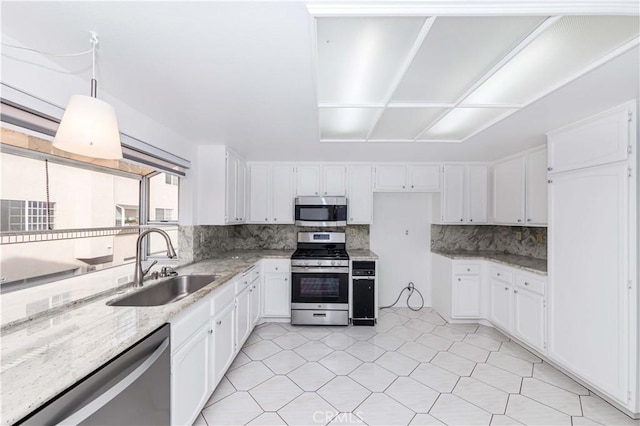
x=89, y=127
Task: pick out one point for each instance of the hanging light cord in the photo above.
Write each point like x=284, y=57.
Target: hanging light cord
x=46, y=171
x=57, y=55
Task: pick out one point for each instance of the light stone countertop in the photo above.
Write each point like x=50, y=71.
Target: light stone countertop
x=362, y=255
x=526, y=263
x=43, y=357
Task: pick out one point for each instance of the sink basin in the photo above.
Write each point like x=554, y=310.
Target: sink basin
x=166, y=292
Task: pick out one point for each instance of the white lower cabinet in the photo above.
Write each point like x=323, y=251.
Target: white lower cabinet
x=255, y=301
x=222, y=344
x=277, y=288
x=190, y=378
x=529, y=319
x=500, y=304
x=457, y=288
x=466, y=297
x=243, y=314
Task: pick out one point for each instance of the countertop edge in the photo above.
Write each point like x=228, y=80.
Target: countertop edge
x=493, y=258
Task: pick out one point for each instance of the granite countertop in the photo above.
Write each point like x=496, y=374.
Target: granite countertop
x=526, y=263
x=46, y=355
x=362, y=255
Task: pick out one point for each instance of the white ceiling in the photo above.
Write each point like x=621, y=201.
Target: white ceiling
x=241, y=74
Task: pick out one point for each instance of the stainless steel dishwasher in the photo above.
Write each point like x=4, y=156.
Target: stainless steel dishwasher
x=131, y=389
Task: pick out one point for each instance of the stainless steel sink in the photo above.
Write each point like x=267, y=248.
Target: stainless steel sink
x=166, y=292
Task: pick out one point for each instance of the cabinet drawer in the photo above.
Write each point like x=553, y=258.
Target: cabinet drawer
x=501, y=274
x=466, y=269
x=242, y=282
x=223, y=297
x=534, y=285
x=277, y=266
x=187, y=322
x=254, y=275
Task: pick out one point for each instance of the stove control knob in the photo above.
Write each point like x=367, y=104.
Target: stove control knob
x=319, y=262
x=333, y=262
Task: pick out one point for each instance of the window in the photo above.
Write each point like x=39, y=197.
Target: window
x=22, y=215
x=164, y=215
x=171, y=179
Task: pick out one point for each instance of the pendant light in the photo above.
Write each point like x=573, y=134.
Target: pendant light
x=89, y=125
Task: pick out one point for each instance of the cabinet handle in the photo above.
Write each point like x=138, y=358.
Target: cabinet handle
x=468, y=270
x=470, y=220
x=219, y=322
x=276, y=268
x=286, y=279
x=266, y=220
x=506, y=288
x=515, y=291
x=275, y=219
x=316, y=193
x=549, y=169
x=402, y=186
x=325, y=192
x=459, y=279
x=528, y=220
x=498, y=274
x=519, y=220
x=412, y=186
x=210, y=331
x=526, y=283
x=461, y=220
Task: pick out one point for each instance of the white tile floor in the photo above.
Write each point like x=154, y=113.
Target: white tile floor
x=411, y=368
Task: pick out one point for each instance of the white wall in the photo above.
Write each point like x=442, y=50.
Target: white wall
x=40, y=77
x=401, y=236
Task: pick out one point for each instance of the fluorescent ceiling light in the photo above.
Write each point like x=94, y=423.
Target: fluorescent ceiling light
x=459, y=123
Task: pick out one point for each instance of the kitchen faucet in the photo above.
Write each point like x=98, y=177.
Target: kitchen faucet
x=139, y=273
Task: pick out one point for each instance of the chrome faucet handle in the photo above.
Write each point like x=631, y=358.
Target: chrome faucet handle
x=146, y=271
x=167, y=271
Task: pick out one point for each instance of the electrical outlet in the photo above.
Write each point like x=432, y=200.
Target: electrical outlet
x=519, y=235
x=539, y=237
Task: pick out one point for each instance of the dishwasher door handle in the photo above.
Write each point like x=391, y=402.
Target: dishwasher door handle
x=95, y=405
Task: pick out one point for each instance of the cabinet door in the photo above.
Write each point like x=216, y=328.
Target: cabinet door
x=453, y=194
x=466, y=297
x=276, y=295
x=243, y=317
x=256, y=311
x=598, y=140
x=589, y=271
x=528, y=324
x=282, y=194
x=536, y=188
x=223, y=347
x=390, y=178
x=307, y=180
x=500, y=304
x=190, y=378
x=360, y=195
x=477, y=194
x=241, y=190
x=424, y=178
x=231, y=188
x=334, y=181
x=259, y=193
x=508, y=191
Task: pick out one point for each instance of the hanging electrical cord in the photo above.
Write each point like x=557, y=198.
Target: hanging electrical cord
x=57, y=55
x=411, y=288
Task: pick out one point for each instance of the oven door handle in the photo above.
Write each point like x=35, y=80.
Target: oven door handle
x=315, y=270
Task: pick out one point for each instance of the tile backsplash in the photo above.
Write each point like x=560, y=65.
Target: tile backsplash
x=201, y=242
x=520, y=240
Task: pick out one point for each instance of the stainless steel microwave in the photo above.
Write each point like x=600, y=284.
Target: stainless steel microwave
x=321, y=211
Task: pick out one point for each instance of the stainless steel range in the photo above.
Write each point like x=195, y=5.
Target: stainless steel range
x=320, y=280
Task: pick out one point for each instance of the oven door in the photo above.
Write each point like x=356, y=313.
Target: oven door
x=323, y=287
x=320, y=214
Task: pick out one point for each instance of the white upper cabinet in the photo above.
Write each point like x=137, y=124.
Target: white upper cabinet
x=477, y=194
x=536, y=187
x=360, y=194
x=599, y=140
x=308, y=180
x=508, y=191
x=520, y=189
x=334, y=180
x=403, y=178
x=464, y=195
x=329, y=180
x=424, y=178
x=282, y=194
x=453, y=194
x=271, y=193
x=221, y=181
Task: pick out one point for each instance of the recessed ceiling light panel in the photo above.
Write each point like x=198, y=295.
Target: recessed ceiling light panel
x=347, y=123
x=460, y=123
x=358, y=58
x=563, y=50
x=457, y=52
x=404, y=123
